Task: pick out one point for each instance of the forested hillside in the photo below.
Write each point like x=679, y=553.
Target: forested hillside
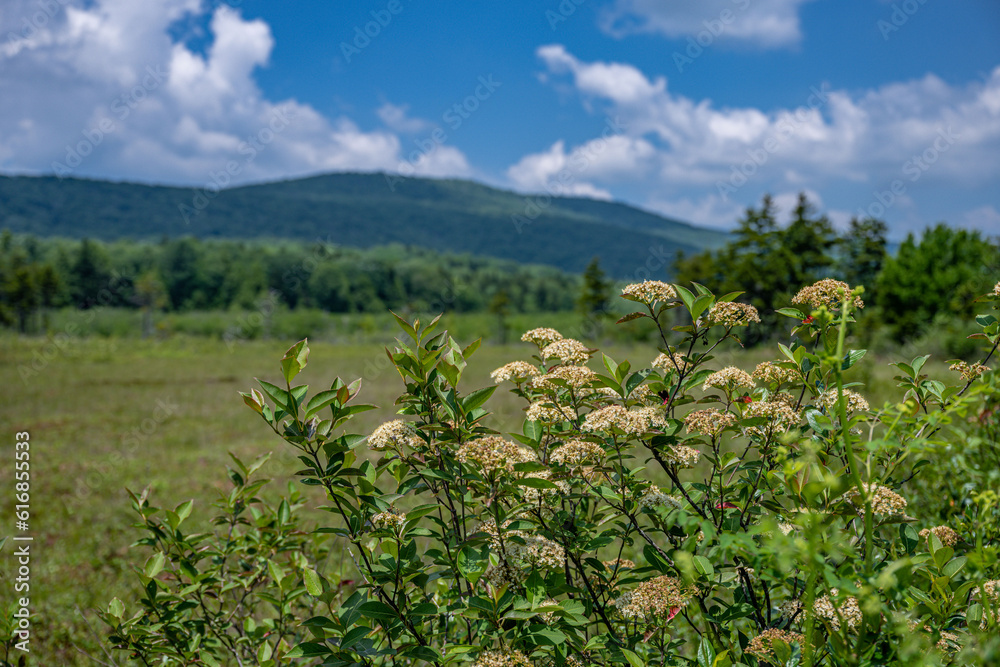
x=360, y=210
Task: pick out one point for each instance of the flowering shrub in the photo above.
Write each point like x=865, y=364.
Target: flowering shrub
x=672, y=514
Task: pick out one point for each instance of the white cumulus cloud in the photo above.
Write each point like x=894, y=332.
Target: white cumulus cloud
x=762, y=23
x=111, y=93
x=699, y=157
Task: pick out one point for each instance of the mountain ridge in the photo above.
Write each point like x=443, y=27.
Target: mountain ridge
x=362, y=210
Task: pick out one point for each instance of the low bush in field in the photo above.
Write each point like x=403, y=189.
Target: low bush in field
x=671, y=513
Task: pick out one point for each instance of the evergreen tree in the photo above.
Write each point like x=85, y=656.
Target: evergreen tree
x=23, y=293
x=939, y=276
x=89, y=275
x=862, y=254
x=595, y=294
x=500, y=307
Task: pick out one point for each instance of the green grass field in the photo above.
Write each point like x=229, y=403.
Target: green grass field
x=106, y=414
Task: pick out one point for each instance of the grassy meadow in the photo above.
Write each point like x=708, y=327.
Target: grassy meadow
x=110, y=413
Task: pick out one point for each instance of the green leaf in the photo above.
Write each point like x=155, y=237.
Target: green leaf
x=706, y=654
x=909, y=537
x=116, y=609
x=794, y=313
x=918, y=363
x=782, y=651
x=425, y=653
x=472, y=564
x=313, y=582
x=184, y=510
x=155, y=564
x=610, y=364
x=704, y=566
x=686, y=296
x=319, y=401
x=634, y=381
x=378, y=611
x=630, y=317
x=352, y=636
x=534, y=588
x=954, y=566
x=276, y=394
x=536, y=483
x=309, y=650
x=277, y=573
x=700, y=305
x=851, y=358
x=264, y=652
x=633, y=659
x=477, y=398
x=295, y=360
x=421, y=511
x=532, y=430
x=252, y=401
x=942, y=556
x=423, y=609
x=818, y=421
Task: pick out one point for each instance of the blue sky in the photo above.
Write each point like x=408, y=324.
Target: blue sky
x=693, y=109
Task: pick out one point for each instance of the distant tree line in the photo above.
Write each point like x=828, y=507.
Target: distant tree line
x=189, y=274
x=931, y=280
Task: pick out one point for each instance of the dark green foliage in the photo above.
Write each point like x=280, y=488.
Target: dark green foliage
x=939, y=276
x=862, y=253
x=185, y=274
x=790, y=506
x=930, y=282
x=766, y=262
x=596, y=294
x=358, y=210
x=25, y=286
x=89, y=274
